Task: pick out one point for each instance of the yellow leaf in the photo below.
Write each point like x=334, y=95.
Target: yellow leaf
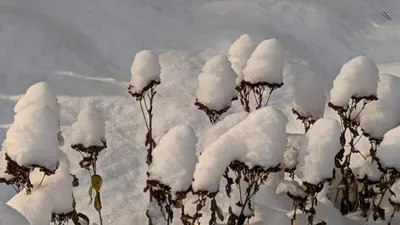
x=90, y=194
x=97, y=202
x=97, y=181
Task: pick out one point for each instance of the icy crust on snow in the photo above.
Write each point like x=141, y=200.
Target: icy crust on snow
x=358, y=78
x=3, y=167
x=317, y=151
x=54, y=195
x=388, y=151
x=10, y=216
x=258, y=140
x=32, y=138
x=39, y=94
x=266, y=63
x=218, y=129
x=145, y=69
x=89, y=128
x=380, y=116
x=368, y=170
x=292, y=187
x=239, y=53
x=217, y=83
x=174, y=158
x=309, y=98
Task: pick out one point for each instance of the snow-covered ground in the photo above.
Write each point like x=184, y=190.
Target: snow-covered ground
x=84, y=49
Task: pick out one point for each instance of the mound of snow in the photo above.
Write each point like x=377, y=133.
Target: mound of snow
x=318, y=149
x=10, y=216
x=388, y=151
x=258, y=140
x=217, y=83
x=174, y=158
x=32, y=138
x=239, y=52
x=266, y=63
x=380, y=116
x=39, y=94
x=290, y=157
x=89, y=128
x=309, y=98
x=358, y=78
x=145, y=69
x=369, y=170
x=292, y=187
x=395, y=188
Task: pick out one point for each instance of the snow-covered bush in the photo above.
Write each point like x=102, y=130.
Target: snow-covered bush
x=216, y=88
x=88, y=138
x=264, y=69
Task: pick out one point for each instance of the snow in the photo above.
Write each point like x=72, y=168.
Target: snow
x=10, y=216
x=258, y=140
x=145, y=69
x=32, y=138
x=318, y=149
x=388, y=150
x=53, y=195
x=217, y=83
x=266, y=63
x=89, y=129
x=174, y=158
x=309, y=98
x=221, y=127
x=239, y=52
x=3, y=167
x=358, y=78
x=380, y=116
x=269, y=216
x=290, y=157
x=369, y=170
x=292, y=187
x=395, y=188
x=39, y=93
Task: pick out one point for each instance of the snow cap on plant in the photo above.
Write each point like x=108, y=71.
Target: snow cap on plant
x=357, y=79
x=309, y=98
x=174, y=159
x=217, y=83
x=239, y=53
x=266, y=64
x=259, y=140
x=318, y=149
x=89, y=129
x=388, y=151
x=31, y=140
x=145, y=72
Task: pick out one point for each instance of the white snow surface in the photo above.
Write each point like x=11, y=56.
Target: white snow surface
x=368, y=170
x=266, y=63
x=395, y=188
x=174, y=158
x=358, y=77
x=10, y=216
x=84, y=49
x=290, y=157
x=145, y=69
x=32, y=138
x=239, y=53
x=217, y=83
x=259, y=140
x=41, y=94
x=317, y=151
x=308, y=98
x=89, y=129
x=388, y=151
x=291, y=186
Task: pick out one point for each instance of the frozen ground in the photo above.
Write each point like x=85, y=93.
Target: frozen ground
x=84, y=49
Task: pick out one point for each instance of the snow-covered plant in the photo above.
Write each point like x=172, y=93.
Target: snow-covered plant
x=308, y=99
x=88, y=138
x=171, y=171
x=316, y=166
x=264, y=69
x=253, y=148
x=216, y=88
x=239, y=53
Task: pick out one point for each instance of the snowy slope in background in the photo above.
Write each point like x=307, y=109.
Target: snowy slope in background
x=84, y=49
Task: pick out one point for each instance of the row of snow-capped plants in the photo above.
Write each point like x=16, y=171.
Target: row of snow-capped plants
x=32, y=162
x=350, y=160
